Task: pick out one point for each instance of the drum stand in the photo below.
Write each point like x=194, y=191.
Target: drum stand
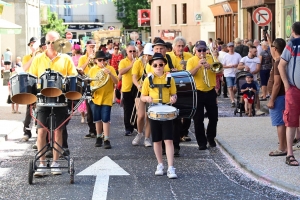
x=49, y=147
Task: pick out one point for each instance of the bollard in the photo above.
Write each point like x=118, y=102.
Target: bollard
x=6, y=75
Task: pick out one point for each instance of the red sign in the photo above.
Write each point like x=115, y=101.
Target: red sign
x=262, y=16
x=69, y=35
x=144, y=18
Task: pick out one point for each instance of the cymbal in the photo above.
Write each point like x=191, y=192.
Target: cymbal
x=62, y=46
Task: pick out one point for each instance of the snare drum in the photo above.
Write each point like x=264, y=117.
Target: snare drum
x=44, y=101
x=51, y=84
x=162, y=112
x=186, y=93
x=73, y=87
x=23, y=88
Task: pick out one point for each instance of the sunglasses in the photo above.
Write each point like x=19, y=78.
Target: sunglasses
x=100, y=60
x=160, y=64
x=116, y=48
x=49, y=42
x=201, y=50
x=132, y=51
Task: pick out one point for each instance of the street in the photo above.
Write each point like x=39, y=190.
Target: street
x=126, y=171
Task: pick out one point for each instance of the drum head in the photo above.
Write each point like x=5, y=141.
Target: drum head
x=51, y=92
x=24, y=98
x=73, y=95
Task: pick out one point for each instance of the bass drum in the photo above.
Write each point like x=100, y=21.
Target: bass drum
x=186, y=94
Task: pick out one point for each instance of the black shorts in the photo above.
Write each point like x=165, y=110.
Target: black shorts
x=161, y=130
x=60, y=113
x=7, y=62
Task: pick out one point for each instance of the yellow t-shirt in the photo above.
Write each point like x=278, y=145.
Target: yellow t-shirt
x=138, y=69
x=186, y=56
x=154, y=92
x=62, y=64
x=82, y=60
x=175, y=62
x=103, y=95
x=198, y=77
x=127, y=77
x=26, y=59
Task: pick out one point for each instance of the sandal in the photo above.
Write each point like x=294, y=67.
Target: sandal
x=291, y=161
x=278, y=152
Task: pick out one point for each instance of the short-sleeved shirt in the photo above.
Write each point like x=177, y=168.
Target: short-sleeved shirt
x=275, y=71
x=25, y=60
x=230, y=59
x=62, y=64
x=127, y=77
x=103, y=95
x=154, y=92
x=175, y=62
x=249, y=85
x=138, y=69
x=7, y=56
x=288, y=55
x=82, y=61
x=266, y=62
x=199, y=77
x=251, y=63
x=115, y=59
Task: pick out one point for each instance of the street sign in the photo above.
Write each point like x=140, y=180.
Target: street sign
x=262, y=16
x=69, y=35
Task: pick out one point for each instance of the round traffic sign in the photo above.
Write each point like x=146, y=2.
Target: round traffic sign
x=262, y=16
x=69, y=35
x=134, y=36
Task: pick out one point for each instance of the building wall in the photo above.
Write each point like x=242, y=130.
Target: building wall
x=207, y=25
x=190, y=31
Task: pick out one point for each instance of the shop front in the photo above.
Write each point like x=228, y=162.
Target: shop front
x=226, y=19
x=250, y=29
x=290, y=16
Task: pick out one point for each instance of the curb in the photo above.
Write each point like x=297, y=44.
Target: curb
x=3, y=137
x=255, y=172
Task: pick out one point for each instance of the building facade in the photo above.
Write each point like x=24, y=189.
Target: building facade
x=26, y=14
x=84, y=18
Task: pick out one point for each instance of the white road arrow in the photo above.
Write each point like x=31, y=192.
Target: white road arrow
x=102, y=170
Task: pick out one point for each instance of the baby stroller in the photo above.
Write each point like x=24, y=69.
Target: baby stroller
x=240, y=79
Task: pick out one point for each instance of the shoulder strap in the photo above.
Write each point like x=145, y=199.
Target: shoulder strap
x=171, y=66
x=295, y=52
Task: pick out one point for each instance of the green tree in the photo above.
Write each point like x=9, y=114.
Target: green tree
x=129, y=9
x=54, y=24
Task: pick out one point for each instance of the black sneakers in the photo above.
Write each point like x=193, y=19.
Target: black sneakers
x=90, y=135
x=98, y=142
x=107, y=144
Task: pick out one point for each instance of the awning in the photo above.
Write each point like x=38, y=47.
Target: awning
x=7, y=27
x=224, y=8
x=4, y=3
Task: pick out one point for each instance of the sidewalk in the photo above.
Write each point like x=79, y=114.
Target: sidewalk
x=248, y=141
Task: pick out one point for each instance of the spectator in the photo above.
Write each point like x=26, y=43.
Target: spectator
x=258, y=47
x=116, y=58
x=240, y=48
x=266, y=65
x=248, y=89
x=7, y=59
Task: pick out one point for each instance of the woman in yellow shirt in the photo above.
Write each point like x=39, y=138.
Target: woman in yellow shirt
x=101, y=102
x=161, y=130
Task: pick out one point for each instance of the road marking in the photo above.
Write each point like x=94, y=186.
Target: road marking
x=102, y=170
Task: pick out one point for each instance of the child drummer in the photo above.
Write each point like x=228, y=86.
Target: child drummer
x=161, y=130
x=102, y=99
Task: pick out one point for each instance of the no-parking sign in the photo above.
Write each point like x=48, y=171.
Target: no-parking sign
x=262, y=16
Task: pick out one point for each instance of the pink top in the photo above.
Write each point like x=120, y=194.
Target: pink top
x=76, y=59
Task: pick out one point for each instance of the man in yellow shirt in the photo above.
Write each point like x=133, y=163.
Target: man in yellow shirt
x=125, y=70
x=63, y=64
x=84, y=66
x=206, y=96
x=102, y=99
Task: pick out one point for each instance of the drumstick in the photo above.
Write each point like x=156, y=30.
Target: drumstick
x=156, y=99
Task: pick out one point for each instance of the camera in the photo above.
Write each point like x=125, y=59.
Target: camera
x=265, y=30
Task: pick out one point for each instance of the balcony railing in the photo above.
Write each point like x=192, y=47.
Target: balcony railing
x=82, y=18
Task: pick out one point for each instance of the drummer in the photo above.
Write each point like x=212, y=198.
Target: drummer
x=63, y=64
x=161, y=130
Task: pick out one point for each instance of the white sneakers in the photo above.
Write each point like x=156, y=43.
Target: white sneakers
x=170, y=173
x=43, y=171
x=138, y=138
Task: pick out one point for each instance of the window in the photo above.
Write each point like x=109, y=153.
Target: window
x=67, y=9
x=174, y=14
x=184, y=13
x=159, y=14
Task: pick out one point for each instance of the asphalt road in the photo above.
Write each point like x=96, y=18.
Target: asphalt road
x=208, y=174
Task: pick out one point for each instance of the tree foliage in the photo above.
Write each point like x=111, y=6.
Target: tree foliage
x=130, y=8
x=54, y=24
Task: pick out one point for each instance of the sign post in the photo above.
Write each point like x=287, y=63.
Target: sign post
x=262, y=16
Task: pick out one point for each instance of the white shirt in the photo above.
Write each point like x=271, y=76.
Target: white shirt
x=251, y=63
x=7, y=56
x=231, y=59
x=221, y=56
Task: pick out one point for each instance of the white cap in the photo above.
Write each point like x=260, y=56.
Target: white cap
x=148, y=50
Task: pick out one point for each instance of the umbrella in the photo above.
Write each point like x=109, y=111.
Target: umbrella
x=7, y=27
